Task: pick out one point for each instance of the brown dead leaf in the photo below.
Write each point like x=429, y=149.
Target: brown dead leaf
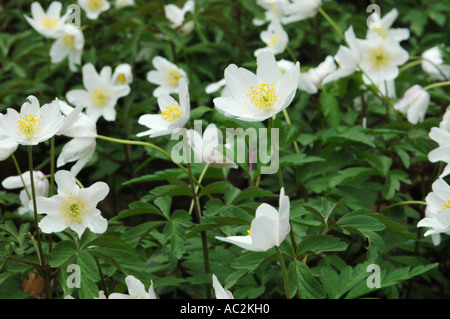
x=34, y=284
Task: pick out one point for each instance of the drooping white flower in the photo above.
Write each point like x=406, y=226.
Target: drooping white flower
x=124, y=3
x=209, y=148
x=34, y=124
x=70, y=43
x=274, y=10
x=220, y=292
x=441, y=135
x=73, y=207
x=348, y=58
x=122, y=74
x=100, y=94
x=298, y=10
x=432, y=64
x=257, y=97
x=176, y=15
x=311, y=81
x=136, y=290
x=94, y=8
x=7, y=146
x=437, y=213
x=275, y=38
x=414, y=103
x=285, y=65
x=41, y=186
x=47, y=23
x=384, y=28
x=166, y=76
x=82, y=146
x=380, y=59
x=268, y=229
x=173, y=115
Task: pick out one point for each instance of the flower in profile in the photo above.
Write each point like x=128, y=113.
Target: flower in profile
x=47, y=23
x=73, y=207
x=94, y=8
x=274, y=10
x=173, y=115
x=257, y=97
x=437, y=213
x=34, y=124
x=432, y=64
x=70, y=43
x=275, y=38
x=122, y=74
x=384, y=28
x=347, y=58
x=209, y=148
x=100, y=94
x=176, y=15
x=81, y=148
x=166, y=76
x=381, y=58
x=441, y=135
x=7, y=146
x=268, y=229
x=312, y=80
x=298, y=10
x=414, y=104
x=136, y=290
x=41, y=186
x=220, y=292
x=124, y=3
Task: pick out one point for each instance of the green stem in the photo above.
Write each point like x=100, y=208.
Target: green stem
x=410, y=202
x=410, y=65
x=52, y=166
x=288, y=121
x=197, y=187
x=20, y=175
x=283, y=269
x=435, y=85
x=333, y=24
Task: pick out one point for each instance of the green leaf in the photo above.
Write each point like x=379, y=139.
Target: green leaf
x=330, y=109
x=307, y=285
x=316, y=244
x=62, y=252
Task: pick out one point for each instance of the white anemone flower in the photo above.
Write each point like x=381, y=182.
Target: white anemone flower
x=432, y=64
x=136, y=290
x=73, y=207
x=384, y=28
x=166, y=76
x=441, y=135
x=70, y=43
x=275, y=38
x=47, y=23
x=414, y=104
x=347, y=58
x=100, y=94
x=298, y=10
x=312, y=80
x=257, y=97
x=274, y=10
x=34, y=124
x=82, y=146
x=122, y=74
x=41, y=186
x=209, y=148
x=7, y=146
x=176, y=15
x=173, y=115
x=380, y=59
x=94, y=8
x=268, y=229
x=124, y=3
x=437, y=213
x=220, y=292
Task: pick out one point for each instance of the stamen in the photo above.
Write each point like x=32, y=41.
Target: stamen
x=74, y=209
x=69, y=40
x=263, y=96
x=174, y=76
x=100, y=97
x=95, y=4
x=379, y=57
x=171, y=113
x=29, y=124
x=49, y=23
x=121, y=77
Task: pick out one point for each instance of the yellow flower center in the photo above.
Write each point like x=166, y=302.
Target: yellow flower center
x=74, y=208
x=100, y=97
x=121, y=77
x=379, y=57
x=49, y=23
x=249, y=232
x=273, y=41
x=382, y=32
x=446, y=205
x=69, y=40
x=29, y=125
x=171, y=113
x=174, y=76
x=263, y=96
x=95, y=4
